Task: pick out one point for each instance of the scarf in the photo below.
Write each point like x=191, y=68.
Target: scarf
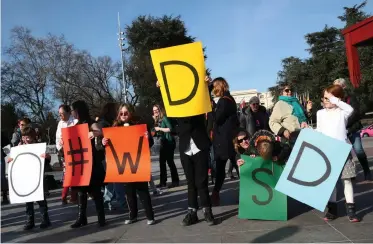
x=297, y=108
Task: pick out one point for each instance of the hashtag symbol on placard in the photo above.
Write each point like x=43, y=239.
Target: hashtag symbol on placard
x=80, y=151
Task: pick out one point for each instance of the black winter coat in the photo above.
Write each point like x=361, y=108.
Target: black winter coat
x=225, y=126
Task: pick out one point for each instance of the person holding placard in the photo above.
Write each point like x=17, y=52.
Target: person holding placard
x=163, y=128
x=331, y=121
x=126, y=117
x=194, y=145
x=28, y=136
x=264, y=144
x=80, y=111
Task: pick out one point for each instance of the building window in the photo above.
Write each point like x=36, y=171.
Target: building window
x=261, y=96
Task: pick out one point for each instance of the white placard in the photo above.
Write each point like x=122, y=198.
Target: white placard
x=26, y=173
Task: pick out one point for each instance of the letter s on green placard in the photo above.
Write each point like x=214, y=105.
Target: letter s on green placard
x=266, y=186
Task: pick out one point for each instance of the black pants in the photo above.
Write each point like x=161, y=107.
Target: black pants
x=233, y=165
x=220, y=172
x=196, y=172
x=97, y=195
x=166, y=154
x=43, y=208
x=142, y=189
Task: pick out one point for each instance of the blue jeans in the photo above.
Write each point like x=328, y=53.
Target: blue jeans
x=359, y=150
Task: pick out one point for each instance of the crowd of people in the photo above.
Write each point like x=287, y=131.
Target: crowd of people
x=206, y=143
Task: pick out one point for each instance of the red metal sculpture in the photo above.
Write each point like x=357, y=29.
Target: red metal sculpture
x=359, y=34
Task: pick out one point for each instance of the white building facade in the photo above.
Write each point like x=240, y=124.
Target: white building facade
x=245, y=95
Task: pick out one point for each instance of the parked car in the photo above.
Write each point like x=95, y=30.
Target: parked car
x=367, y=131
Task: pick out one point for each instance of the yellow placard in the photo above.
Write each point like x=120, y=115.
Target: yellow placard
x=181, y=73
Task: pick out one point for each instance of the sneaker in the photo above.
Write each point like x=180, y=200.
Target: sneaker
x=190, y=219
x=150, y=222
x=130, y=221
x=351, y=214
x=157, y=192
x=209, y=217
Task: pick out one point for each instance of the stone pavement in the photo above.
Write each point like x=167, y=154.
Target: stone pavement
x=304, y=224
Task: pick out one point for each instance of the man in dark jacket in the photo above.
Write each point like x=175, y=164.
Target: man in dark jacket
x=353, y=127
x=254, y=117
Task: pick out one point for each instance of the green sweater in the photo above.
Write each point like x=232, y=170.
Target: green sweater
x=166, y=136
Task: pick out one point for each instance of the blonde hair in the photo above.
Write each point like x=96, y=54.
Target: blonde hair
x=220, y=86
x=161, y=114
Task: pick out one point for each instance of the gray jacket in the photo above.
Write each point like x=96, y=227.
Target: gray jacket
x=248, y=122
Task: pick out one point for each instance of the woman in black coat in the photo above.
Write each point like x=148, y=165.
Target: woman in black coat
x=225, y=124
x=81, y=112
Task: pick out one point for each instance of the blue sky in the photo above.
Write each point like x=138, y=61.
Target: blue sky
x=245, y=39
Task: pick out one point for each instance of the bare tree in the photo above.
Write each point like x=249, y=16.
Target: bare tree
x=25, y=74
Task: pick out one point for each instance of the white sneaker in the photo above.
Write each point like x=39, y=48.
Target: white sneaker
x=150, y=222
x=130, y=221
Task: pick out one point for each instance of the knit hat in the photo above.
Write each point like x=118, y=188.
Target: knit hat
x=254, y=100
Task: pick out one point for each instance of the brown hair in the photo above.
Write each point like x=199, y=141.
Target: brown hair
x=117, y=121
x=26, y=120
x=220, y=86
x=336, y=90
x=235, y=140
x=265, y=149
x=28, y=131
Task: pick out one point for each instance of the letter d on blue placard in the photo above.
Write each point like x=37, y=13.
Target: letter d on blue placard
x=313, y=168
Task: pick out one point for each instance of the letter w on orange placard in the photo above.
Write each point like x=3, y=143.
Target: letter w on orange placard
x=127, y=154
x=77, y=150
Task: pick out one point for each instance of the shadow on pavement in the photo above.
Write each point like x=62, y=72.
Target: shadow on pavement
x=277, y=235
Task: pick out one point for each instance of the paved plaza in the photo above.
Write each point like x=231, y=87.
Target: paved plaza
x=304, y=225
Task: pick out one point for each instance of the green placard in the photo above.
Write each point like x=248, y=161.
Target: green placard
x=258, y=197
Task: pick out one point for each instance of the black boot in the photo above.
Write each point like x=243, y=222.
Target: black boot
x=82, y=208
x=30, y=222
x=100, y=208
x=351, y=214
x=209, y=217
x=191, y=218
x=331, y=211
x=45, y=222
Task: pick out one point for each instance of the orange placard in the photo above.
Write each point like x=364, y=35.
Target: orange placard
x=127, y=154
x=77, y=150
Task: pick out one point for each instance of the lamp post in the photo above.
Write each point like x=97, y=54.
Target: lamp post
x=122, y=50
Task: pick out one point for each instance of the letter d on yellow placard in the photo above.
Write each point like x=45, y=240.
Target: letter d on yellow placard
x=181, y=73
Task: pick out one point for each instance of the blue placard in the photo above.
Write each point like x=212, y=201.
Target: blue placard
x=313, y=168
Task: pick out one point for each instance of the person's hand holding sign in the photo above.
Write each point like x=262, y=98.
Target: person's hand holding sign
x=105, y=141
x=157, y=84
x=303, y=125
x=208, y=79
x=240, y=162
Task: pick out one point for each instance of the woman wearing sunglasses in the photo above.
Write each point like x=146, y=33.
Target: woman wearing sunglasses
x=127, y=118
x=288, y=115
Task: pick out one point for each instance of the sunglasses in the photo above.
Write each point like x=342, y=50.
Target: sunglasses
x=243, y=139
x=287, y=90
x=255, y=104
x=123, y=114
